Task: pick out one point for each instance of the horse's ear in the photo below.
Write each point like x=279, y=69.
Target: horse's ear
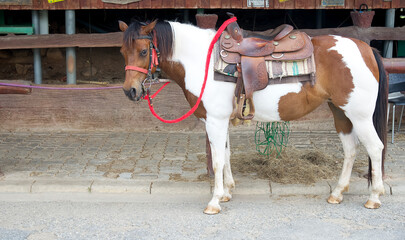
x=148, y=28
x=123, y=26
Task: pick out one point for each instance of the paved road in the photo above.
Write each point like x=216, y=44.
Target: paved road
x=122, y=216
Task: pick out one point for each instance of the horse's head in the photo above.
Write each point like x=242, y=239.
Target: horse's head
x=140, y=57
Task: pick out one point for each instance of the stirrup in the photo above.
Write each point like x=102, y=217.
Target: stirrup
x=242, y=101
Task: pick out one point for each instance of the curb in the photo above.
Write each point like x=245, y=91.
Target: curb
x=243, y=187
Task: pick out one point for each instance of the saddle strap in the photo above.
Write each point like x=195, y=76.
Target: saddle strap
x=254, y=74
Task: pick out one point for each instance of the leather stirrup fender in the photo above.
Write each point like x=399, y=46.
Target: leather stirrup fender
x=254, y=74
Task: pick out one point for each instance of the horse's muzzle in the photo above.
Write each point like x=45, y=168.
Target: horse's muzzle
x=131, y=94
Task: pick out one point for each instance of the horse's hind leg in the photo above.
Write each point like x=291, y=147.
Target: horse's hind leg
x=349, y=141
x=229, y=183
x=368, y=137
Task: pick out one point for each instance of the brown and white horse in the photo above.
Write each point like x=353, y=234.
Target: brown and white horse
x=349, y=76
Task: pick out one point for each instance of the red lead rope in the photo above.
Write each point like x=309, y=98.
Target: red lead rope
x=207, y=64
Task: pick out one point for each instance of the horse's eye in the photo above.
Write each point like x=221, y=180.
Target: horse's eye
x=144, y=52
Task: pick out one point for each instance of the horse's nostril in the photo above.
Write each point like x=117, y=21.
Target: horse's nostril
x=132, y=93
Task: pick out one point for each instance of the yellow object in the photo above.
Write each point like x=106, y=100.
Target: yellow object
x=54, y=1
x=283, y=1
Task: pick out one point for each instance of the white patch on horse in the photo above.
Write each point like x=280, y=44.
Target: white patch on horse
x=266, y=101
x=190, y=47
x=365, y=84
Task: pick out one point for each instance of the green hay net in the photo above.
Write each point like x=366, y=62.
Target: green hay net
x=271, y=137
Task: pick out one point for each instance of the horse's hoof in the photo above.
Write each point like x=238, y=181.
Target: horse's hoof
x=225, y=198
x=372, y=205
x=334, y=200
x=210, y=210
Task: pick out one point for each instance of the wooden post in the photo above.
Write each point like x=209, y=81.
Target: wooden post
x=206, y=21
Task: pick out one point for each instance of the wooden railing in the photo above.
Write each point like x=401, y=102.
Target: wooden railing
x=115, y=39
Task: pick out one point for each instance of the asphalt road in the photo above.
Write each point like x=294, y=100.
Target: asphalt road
x=125, y=216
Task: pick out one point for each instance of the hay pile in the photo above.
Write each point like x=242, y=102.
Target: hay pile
x=292, y=166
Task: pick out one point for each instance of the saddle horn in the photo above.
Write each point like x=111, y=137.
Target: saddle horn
x=234, y=29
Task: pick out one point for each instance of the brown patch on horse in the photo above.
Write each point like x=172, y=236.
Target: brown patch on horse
x=367, y=54
x=176, y=72
x=342, y=123
x=328, y=71
x=295, y=105
x=328, y=75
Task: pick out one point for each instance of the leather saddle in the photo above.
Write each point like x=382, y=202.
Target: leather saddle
x=249, y=51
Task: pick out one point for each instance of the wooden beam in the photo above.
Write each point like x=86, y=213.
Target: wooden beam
x=14, y=90
x=364, y=34
x=61, y=40
x=115, y=39
x=394, y=65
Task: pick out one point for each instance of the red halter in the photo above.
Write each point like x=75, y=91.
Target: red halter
x=142, y=70
x=153, y=57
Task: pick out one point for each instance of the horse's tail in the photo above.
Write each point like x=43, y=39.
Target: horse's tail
x=380, y=111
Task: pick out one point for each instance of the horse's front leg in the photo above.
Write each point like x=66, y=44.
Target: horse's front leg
x=217, y=133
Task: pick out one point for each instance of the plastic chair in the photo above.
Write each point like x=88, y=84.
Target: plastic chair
x=396, y=85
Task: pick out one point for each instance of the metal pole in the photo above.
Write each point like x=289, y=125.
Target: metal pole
x=389, y=22
x=36, y=51
x=43, y=22
x=70, y=51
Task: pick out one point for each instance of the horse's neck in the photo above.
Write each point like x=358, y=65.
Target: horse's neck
x=190, y=47
x=189, y=41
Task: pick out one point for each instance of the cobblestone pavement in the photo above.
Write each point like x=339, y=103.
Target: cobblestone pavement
x=150, y=157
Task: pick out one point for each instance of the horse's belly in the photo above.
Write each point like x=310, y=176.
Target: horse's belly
x=266, y=101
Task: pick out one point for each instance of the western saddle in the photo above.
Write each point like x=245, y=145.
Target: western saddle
x=249, y=53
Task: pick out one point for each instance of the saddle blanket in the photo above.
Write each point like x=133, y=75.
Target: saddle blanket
x=278, y=71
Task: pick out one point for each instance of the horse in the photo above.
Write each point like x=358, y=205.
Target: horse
x=350, y=77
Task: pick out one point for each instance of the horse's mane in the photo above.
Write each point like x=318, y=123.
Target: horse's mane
x=164, y=37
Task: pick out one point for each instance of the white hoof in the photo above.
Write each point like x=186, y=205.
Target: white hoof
x=372, y=205
x=225, y=198
x=334, y=200
x=211, y=210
